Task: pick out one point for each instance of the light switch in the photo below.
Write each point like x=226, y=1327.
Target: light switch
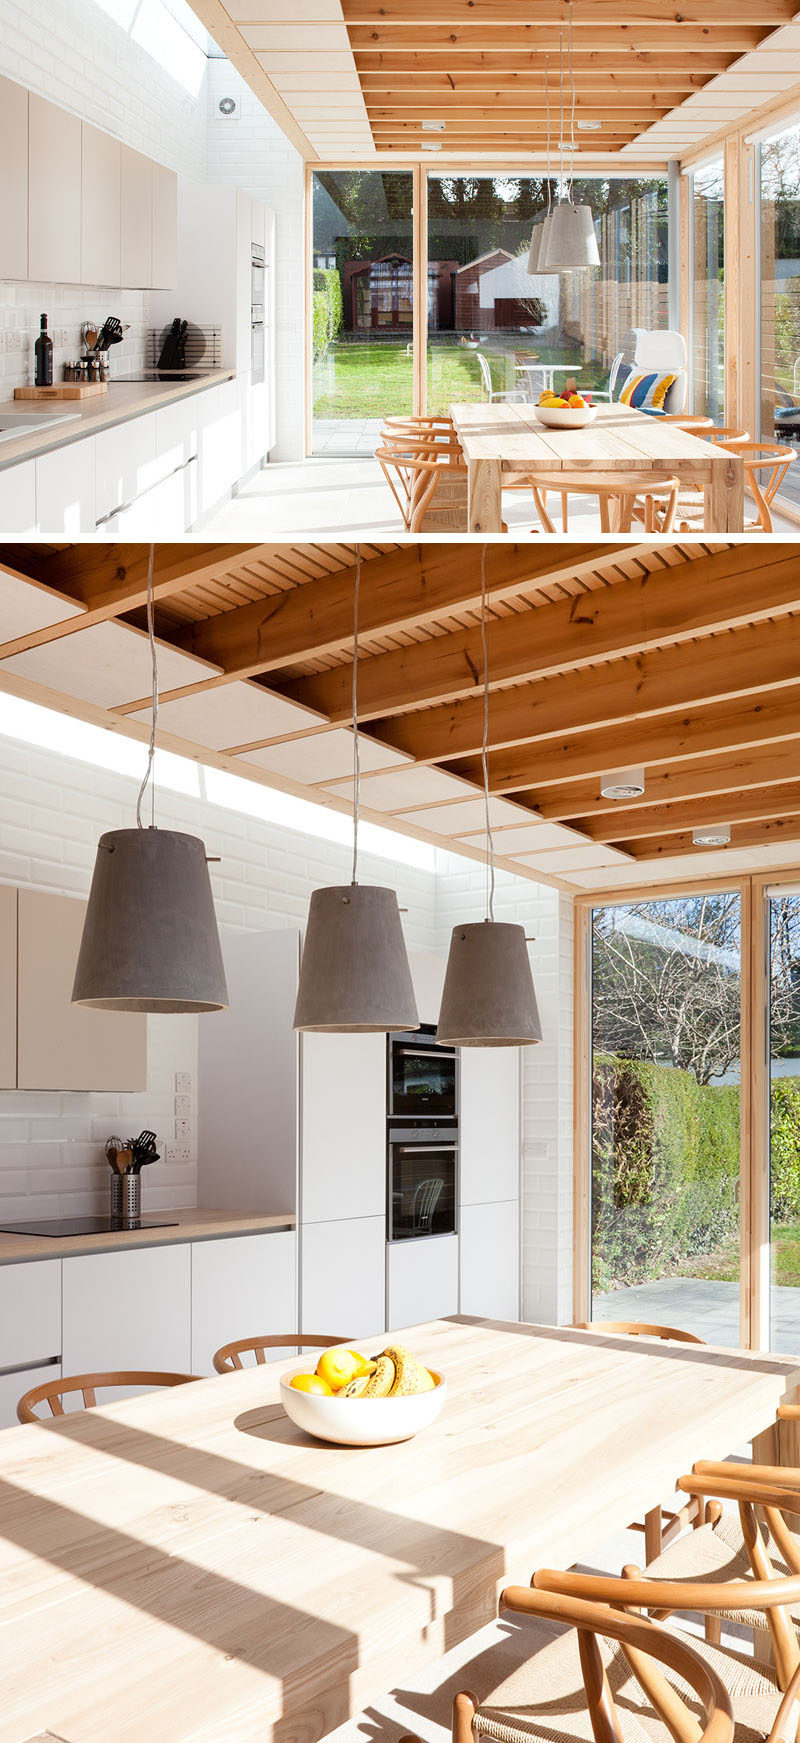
x=183, y=1083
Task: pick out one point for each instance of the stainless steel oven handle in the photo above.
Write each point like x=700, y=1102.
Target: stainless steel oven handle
x=423, y=1149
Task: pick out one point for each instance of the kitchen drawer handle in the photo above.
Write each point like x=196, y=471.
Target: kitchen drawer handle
x=122, y=506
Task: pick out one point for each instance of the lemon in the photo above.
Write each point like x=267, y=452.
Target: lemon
x=338, y=1367
x=311, y=1383
x=575, y=399
x=426, y=1380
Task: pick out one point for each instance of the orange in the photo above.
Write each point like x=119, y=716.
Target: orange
x=311, y=1383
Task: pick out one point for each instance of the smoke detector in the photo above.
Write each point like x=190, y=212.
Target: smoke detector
x=712, y=835
x=623, y=784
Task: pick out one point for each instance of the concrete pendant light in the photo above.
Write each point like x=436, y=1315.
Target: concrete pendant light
x=542, y=226
x=489, y=998
x=354, y=973
x=150, y=939
x=571, y=241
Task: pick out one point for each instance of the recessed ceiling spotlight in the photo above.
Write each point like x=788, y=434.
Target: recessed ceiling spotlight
x=623, y=784
x=589, y=126
x=712, y=835
x=433, y=127
x=431, y=145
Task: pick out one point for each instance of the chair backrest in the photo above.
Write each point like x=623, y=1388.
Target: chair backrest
x=486, y=373
x=636, y=1328
x=426, y=1198
x=229, y=1356
x=53, y=1392
x=645, y=1647
x=618, y=364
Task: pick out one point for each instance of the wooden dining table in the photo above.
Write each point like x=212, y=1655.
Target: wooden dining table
x=188, y=1565
x=506, y=438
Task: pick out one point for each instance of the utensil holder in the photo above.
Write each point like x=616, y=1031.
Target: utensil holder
x=126, y=1197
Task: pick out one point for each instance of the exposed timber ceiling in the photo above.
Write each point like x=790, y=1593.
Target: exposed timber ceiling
x=682, y=658
x=349, y=78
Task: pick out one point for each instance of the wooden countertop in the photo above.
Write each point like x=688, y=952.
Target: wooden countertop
x=124, y=400
x=192, y=1564
x=187, y=1225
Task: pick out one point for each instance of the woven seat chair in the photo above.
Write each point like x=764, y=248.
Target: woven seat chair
x=228, y=1358
x=610, y=1677
x=436, y=474
x=651, y=495
x=400, y=439
x=765, y=467
x=690, y=513
x=53, y=1392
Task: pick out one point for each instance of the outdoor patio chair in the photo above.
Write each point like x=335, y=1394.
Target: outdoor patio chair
x=511, y=395
x=618, y=375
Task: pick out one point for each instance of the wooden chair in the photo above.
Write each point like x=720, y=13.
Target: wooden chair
x=52, y=1392
x=659, y=1526
x=398, y=443
x=611, y=1676
x=690, y=514
x=696, y=426
x=434, y=470
x=229, y=1356
x=771, y=458
x=618, y=495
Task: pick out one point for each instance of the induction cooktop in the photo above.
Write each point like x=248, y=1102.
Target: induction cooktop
x=58, y=1227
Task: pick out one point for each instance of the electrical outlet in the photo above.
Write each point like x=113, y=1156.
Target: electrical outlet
x=178, y=1152
x=183, y=1083
x=183, y=1106
x=182, y=1129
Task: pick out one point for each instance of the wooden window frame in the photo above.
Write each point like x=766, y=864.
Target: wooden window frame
x=754, y=1109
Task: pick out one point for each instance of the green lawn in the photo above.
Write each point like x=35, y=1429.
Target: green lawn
x=723, y=1267
x=374, y=381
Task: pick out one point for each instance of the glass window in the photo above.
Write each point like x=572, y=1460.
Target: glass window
x=780, y=295
x=362, y=306
x=536, y=331
x=708, y=291
x=665, y=1132
x=784, y=1121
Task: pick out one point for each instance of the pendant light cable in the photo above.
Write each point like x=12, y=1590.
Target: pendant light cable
x=151, y=749
x=547, y=106
x=356, y=744
x=561, y=114
x=485, y=744
x=572, y=111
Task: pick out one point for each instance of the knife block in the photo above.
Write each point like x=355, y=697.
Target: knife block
x=126, y=1198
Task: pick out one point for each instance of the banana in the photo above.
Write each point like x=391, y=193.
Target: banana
x=356, y=1388
x=381, y=1383
x=408, y=1375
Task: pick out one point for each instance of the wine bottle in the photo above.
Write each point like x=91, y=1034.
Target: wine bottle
x=43, y=352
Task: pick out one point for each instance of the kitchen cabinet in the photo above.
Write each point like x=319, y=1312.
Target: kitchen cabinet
x=242, y=1286
x=343, y=1279
x=61, y=1045
x=126, y=464
x=101, y=180
x=128, y=1309
x=65, y=495
x=427, y=974
x=490, y=1124
x=164, y=266
x=14, y=1386
x=54, y=188
x=490, y=1260
x=136, y=215
x=8, y=998
x=13, y=181
x=422, y=1280
x=220, y=444
x=18, y=517
x=30, y=1313
x=344, y=1126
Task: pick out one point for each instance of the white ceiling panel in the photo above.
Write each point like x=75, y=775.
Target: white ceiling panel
x=24, y=608
x=231, y=714
x=405, y=789
x=574, y=858
x=108, y=664
x=459, y=819
x=535, y=835
x=322, y=756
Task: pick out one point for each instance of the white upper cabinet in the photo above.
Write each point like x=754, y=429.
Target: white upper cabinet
x=164, y=275
x=54, y=253
x=13, y=180
x=8, y=987
x=61, y=1045
x=100, y=202
x=490, y=1124
x=343, y=1126
x=137, y=205
x=427, y=974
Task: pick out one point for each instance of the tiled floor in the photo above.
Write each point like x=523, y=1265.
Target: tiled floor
x=331, y=496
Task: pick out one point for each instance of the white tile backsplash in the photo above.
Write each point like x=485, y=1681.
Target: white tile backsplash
x=66, y=307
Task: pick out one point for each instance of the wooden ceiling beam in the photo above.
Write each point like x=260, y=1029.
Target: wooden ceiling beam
x=728, y=589
x=518, y=59
x=763, y=834
x=521, y=38
x=623, y=15
x=112, y=579
x=703, y=777
x=666, y=738
x=669, y=88
x=412, y=586
x=631, y=824
x=739, y=662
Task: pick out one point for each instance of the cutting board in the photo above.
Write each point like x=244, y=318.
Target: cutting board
x=63, y=390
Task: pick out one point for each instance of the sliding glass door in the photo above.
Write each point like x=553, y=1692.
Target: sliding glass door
x=708, y=290
x=362, y=306
x=783, y=923
x=779, y=399
x=665, y=1113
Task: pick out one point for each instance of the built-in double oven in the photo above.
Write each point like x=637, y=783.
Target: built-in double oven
x=422, y=1147
x=258, y=299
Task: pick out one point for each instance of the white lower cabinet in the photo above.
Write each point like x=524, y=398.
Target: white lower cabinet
x=126, y=464
x=128, y=1309
x=344, y=1277
x=14, y=1386
x=30, y=1312
x=220, y=444
x=490, y=1260
x=246, y=1285
x=65, y=503
x=422, y=1280
x=18, y=501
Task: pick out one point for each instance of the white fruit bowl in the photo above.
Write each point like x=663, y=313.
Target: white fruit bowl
x=361, y=1421
x=566, y=417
